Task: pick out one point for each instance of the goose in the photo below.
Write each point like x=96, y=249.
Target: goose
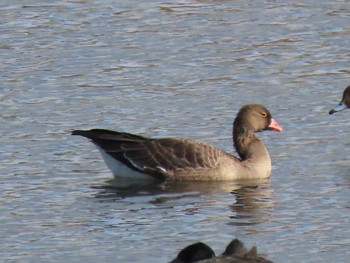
x=178, y=159
x=235, y=252
x=344, y=103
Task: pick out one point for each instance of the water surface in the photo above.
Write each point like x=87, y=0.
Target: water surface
x=179, y=68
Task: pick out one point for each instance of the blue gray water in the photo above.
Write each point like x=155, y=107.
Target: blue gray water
x=173, y=68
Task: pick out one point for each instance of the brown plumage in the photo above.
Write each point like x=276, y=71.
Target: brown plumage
x=344, y=103
x=129, y=155
x=235, y=252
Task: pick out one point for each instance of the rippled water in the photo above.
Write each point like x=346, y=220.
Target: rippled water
x=179, y=68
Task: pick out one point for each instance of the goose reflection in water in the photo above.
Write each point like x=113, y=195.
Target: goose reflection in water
x=251, y=202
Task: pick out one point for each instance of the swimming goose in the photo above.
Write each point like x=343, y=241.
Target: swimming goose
x=235, y=252
x=345, y=102
x=135, y=156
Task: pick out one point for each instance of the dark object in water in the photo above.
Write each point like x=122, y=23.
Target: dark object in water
x=235, y=252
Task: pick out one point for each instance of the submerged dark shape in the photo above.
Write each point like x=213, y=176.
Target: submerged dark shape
x=235, y=252
x=194, y=253
x=134, y=156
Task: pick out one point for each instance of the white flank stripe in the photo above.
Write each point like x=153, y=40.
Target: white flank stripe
x=121, y=170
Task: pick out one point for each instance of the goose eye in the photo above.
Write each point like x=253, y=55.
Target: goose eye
x=263, y=114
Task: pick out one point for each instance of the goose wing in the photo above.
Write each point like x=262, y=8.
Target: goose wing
x=157, y=157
